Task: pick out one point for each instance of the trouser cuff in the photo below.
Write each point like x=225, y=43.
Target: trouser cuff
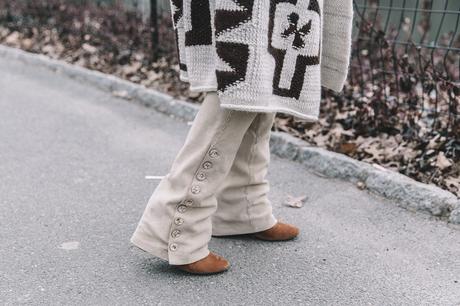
x=173, y=257
x=145, y=244
x=225, y=228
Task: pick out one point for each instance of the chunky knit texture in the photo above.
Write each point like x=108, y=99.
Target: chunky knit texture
x=264, y=55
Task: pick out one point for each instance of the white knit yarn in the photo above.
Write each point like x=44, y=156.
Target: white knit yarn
x=309, y=38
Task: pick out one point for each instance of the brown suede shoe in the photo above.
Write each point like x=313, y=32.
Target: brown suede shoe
x=279, y=232
x=211, y=264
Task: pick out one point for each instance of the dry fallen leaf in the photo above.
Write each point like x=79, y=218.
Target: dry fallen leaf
x=13, y=38
x=128, y=70
x=27, y=43
x=89, y=48
x=442, y=162
x=296, y=202
x=379, y=167
x=121, y=94
x=348, y=148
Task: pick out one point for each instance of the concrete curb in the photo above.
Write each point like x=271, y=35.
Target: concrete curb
x=408, y=193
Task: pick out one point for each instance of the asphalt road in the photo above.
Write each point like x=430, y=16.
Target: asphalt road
x=73, y=162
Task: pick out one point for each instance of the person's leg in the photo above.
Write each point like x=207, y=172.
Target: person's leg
x=243, y=206
x=176, y=224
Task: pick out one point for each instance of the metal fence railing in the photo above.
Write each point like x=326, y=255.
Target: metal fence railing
x=406, y=64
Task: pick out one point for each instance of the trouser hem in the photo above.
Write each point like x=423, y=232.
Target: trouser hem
x=178, y=258
x=172, y=257
x=148, y=247
x=222, y=228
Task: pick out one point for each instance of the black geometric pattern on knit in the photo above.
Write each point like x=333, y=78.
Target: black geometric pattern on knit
x=201, y=32
x=226, y=20
x=179, y=11
x=314, y=6
x=236, y=55
x=177, y=15
x=279, y=54
x=293, y=29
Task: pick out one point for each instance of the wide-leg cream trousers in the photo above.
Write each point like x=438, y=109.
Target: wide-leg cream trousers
x=216, y=186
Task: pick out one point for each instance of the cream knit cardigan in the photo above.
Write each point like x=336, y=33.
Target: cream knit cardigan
x=264, y=55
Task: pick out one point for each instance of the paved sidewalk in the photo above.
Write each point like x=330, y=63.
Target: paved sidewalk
x=72, y=173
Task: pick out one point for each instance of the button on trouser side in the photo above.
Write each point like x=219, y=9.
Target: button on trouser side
x=242, y=202
x=210, y=147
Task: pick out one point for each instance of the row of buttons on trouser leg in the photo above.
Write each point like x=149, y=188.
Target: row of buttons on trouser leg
x=178, y=221
x=195, y=189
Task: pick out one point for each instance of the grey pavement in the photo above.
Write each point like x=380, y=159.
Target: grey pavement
x=73, y=162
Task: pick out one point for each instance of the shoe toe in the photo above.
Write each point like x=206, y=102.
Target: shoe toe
x=211, y=264
x=279, y=232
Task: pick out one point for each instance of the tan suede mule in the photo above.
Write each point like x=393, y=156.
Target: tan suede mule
x=211, y=264
x=279, y=232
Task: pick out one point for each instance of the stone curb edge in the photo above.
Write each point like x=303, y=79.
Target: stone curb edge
x=409, y=194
